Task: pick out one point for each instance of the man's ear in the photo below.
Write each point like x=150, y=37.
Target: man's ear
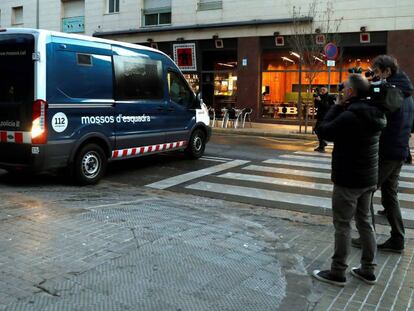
x=388, y=71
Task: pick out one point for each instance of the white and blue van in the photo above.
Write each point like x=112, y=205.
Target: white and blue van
x=77, y=102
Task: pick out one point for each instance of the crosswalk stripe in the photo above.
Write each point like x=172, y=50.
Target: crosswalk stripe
x=300, y=164
x=306, y=158
x=313, y=153
x=298, y=183
x=288, y=171
x=179, y=179
x=217, y=158
x=319, y=165
x=269, y=195
x=324, y=158
x=277, y=196
x=212, y=160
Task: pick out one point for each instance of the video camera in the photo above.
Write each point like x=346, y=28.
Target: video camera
x=316, y=92
x=381, y=93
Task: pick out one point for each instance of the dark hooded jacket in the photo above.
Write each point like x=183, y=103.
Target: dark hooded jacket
x=323, y=105
x=395, y=137
x=355, y=131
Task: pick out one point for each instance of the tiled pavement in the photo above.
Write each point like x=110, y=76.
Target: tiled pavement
x=111, y=248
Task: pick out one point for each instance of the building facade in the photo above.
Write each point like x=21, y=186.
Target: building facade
x=238, y=52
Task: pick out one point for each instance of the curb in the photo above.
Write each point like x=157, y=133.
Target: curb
x=252, y=132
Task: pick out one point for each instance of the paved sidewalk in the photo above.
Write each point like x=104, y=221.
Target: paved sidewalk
x=276, y=130
x=269, y=130
x=112, y=248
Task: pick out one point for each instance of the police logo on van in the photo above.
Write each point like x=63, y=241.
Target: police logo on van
x=59, y=122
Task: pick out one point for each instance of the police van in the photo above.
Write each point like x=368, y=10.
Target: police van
x=78, y=102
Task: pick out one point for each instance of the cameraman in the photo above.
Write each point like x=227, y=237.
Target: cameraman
x=323, y=101
x=394, y=142
x=354, y=125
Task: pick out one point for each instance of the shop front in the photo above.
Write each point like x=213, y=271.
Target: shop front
x=283, y=77
x=281, y=85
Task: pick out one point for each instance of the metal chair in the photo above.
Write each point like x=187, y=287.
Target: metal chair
x=231, y=117
x=246, y=116
x=212, y=115
x=221, y=115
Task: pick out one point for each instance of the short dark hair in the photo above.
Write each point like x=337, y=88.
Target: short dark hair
x=359, y=84
x=383, y=62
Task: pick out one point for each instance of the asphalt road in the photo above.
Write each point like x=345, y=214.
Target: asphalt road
x=279, y=173
x=239, y=229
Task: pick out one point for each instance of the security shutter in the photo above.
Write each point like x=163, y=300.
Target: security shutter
x=157, y=6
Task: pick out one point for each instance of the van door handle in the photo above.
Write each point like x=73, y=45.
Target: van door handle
x=171, y=109
x=160, y=108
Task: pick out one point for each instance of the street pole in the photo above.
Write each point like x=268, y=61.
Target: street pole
x=300, y=96
x=329, y=79
x=37, y=14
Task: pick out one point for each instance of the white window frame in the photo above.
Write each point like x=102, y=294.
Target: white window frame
x=115, y=5
x=158, y=12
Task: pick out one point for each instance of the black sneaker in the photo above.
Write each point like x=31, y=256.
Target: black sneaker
x=368, y=278
x=381, y=212
x=327, y=277
x=356, y=242
x=319, y=149
x=391, y=246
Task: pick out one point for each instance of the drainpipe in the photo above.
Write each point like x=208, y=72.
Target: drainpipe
x=37, y=14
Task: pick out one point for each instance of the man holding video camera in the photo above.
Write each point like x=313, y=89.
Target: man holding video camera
x=323, y=101
x=394, y=142
x=354, y=124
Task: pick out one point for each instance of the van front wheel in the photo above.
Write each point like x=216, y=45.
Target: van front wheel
x=90, y=165
x=196, y=145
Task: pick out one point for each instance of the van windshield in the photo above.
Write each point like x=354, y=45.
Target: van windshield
x=16, y=68
x=16, y=81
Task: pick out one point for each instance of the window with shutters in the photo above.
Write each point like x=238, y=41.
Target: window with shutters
x=204, y=5
x=156, y=13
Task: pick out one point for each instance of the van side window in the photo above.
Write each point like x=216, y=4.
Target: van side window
x=138, y=78
x=74, y=75
x=84, y=59
x=178, y=90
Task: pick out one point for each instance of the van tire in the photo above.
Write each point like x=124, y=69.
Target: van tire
x=196, y=145
x=89, y=165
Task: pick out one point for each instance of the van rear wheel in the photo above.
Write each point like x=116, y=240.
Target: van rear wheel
x=90, y=165
x=196, y=145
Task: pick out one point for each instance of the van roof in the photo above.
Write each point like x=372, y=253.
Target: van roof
x=80, y=37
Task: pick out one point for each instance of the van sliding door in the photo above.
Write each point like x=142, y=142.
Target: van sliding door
x=139, y=99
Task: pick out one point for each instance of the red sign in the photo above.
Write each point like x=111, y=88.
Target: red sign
x=185, y=57
x=279, y=41
x=320, y=39
x=364, y=37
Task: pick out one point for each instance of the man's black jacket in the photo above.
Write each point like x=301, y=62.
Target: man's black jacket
x=355, y=131
x=394, y=139
x=323, y=105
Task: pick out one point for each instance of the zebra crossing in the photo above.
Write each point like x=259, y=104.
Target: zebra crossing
x=294, y=181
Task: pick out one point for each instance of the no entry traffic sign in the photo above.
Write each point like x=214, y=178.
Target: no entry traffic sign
x=331, y=51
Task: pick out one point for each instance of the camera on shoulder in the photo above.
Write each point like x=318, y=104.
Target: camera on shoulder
x=385, y=95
